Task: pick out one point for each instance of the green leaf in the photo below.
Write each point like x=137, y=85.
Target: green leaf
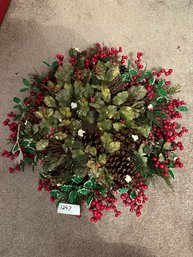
x=24, y=89
x=120, y=98
x=147, y=74
x=89, y=200
x=42, y=144
x=133, y=72
x=30, y=150
x=72, y=196
x=93, y=180
x=54, y=64
x=64, y=74
x=84, y=191
x=101, y=188
x=151, y=81
x=26, y=143
x=77, y=179
x=77, y=153
x=42, y=176
x=16, y=100
x=171, y=174
x=49, y=101
x=47, y=64
x=26, y=159
x=112, y=73
x=26, y=83
x=123, y=190
x=160, y=84
x=37, y=158
x=182, y=108
x=78, y=88
x=55, y=193
x=110, y=111
x=133, y=194
x=106, y=139
x=66, y=188
x=138, y=93
x=162, y=92
x=88, y=184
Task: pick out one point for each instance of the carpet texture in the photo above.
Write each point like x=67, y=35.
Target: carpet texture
x=36, y=30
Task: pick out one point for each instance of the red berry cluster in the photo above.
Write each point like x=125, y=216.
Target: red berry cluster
x=135, y=203
x=100, y=204
x=44, y=184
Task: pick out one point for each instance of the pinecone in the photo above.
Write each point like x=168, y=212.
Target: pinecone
x=119, y=164
x=129, y=139
x=93, y=139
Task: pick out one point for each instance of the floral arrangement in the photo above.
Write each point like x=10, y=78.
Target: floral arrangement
x=97, y=129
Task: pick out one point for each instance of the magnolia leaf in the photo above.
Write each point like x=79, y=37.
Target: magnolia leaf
x=84, y=191
x=105, y=125
x=105, y=93
x=120, y=98
x=127, y=113
x=123, y=190
x=77, y=179
x=72, y=196
x=66, y=111
x=49, y=101
x=42, y=144
x=182, y=108
x=91, y=150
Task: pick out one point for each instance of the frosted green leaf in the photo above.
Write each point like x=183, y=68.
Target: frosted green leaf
x=42, y=144
x=105, y=125
x=105, y=93
x=60, y=135
x=66, y=111
x=49, y=101
x=120, y=98
x=112, y=73
x=91, y=150
x=127, y=113
x=114, y=146
x=117, y=126
x=63, y=73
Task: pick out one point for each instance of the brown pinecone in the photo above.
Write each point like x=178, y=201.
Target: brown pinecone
x=119, y=164
x=127, y=142
x=93, y=139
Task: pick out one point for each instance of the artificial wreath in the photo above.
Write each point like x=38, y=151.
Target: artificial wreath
x=97, y=129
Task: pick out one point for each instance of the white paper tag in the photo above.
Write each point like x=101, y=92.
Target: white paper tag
x=71, y=209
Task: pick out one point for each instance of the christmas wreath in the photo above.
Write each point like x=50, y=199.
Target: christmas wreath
x=97, y=129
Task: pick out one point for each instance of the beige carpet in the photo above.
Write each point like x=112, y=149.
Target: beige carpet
x=36, y=30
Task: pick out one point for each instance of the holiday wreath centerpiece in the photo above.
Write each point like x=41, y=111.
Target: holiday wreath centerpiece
x=97, y=129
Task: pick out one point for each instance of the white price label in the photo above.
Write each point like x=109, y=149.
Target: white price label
x=71, y=209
